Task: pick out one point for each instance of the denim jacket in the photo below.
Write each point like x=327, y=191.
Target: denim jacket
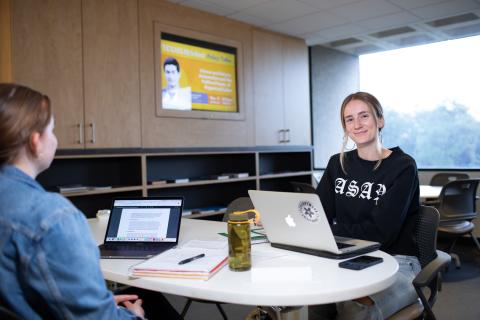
x=49, y=262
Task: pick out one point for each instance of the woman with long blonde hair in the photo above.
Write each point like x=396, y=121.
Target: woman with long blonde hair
x=372, y=193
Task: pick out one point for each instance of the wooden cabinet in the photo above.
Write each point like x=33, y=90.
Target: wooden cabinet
x=47, y=56
x=84, y=56
x=208, y=180
x=111, y=75
x=282, y=98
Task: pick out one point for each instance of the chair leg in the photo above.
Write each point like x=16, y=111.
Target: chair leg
x=456, y=259
x=260, y=313
x=475, y=240
x=224, y=315
x=185, y=308
x=452, y=245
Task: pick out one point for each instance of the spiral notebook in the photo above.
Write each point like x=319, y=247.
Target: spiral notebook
x=214, y=255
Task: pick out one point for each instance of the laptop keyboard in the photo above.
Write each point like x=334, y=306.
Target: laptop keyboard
x=135, y=247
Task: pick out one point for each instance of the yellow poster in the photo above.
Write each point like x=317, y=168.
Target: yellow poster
x=197, y=78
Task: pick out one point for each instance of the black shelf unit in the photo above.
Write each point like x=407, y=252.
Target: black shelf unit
x=131, y=173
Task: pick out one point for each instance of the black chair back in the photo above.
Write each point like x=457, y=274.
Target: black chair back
x=302, y=187
x=426, y=234
x=239, y=204
x=441, y=179
x=457, y=200
x=6, y=314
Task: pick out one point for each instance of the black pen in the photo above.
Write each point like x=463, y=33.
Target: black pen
x=192, y=258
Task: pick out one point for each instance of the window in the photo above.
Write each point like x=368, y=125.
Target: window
x=430, y=99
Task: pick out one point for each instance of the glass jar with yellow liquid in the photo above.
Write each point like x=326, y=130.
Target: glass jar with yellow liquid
x=239, y=244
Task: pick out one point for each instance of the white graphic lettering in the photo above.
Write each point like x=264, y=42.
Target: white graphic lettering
x=366, y=191
x=340, y=185
x=380, y=192
x=352, y=189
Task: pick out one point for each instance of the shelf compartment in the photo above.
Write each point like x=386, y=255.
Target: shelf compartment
x=117, y=172
x=91, y=204
x=201, y=196
x=171, y=167
x=285, y=175
x=284, y=162
x=283, y=183
x=93, y=192
x=198, y=183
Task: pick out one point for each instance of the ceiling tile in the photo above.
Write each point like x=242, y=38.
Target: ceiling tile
x=338, y=32
x=249, y=19
x=237, y=5
x=326, y=4
x=314, y=40
x=310, y=23
x=409, y=4
x=389, y=21
x=445, y=9
x=279, y=10
x=325, y=21
x=365, y=9
x=464, y=31
x=206, y=6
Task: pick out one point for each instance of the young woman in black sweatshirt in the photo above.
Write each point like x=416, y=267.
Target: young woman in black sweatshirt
x=372, y=193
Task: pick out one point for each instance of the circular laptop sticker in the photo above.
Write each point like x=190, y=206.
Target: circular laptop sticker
x=308, y=211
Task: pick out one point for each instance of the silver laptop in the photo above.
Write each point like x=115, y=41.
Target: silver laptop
x=297, y=221
x=139, y=228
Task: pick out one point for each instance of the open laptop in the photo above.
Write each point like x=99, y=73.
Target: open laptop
x=297, y=222
x=139, y=228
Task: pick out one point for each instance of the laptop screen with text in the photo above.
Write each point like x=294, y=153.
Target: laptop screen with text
x=144, y=220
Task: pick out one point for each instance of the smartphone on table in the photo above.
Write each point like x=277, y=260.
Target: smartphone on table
x=360, y=262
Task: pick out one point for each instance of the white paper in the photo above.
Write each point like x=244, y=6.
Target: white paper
x=215, y=252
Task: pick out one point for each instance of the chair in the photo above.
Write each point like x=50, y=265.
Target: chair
x=239, y=204
x=442, y=178
x=428, y=280
x=6, y=314
x=457, y=207
x=302, y=187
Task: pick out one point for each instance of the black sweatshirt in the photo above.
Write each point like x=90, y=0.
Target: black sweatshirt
x=378, y=205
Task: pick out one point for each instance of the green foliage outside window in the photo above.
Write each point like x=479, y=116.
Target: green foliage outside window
x=446, y=137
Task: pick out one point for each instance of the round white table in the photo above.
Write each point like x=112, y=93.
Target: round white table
x=429, y=192
x=328, y=283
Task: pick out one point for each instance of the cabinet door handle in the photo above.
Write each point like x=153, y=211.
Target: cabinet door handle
x=92, y=126
x=281, y=136
x=287, y=136
x=80, y=133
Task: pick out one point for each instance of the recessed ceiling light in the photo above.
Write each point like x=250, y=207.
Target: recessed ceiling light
x=453, y=20
x=344, y=42
x=393, y=32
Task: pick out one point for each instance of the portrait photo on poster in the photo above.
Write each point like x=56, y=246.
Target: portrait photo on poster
x=196, y=75
x=173, y=95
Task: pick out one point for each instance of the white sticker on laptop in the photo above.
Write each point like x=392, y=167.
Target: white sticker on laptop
x=308, y=211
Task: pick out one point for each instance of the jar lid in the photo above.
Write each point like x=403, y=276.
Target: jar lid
x=238, y=216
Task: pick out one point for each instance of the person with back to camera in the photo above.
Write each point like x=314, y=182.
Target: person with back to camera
x=173, y=96
x=49, y=262
x=372, y=193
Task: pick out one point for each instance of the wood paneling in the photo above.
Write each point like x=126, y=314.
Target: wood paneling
x=96, y=60
x=47, y=56
x=185, y=132
x=110, y=49
x=5, y=42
